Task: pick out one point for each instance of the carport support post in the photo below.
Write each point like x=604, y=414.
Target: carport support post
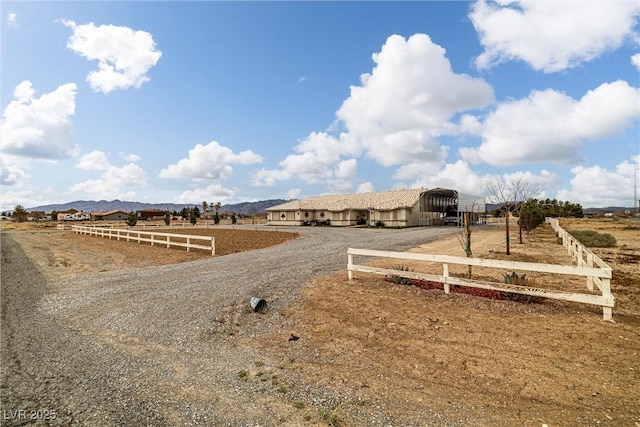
x=349, y=264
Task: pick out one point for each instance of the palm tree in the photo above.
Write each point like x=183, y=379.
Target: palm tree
x=205, y=206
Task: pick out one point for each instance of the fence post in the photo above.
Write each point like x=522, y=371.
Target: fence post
x=590, y=278
x=349, y=264
x=188, y=243
x=607, y=312
x=580, y=256
x=445, y=274
x=213, y=246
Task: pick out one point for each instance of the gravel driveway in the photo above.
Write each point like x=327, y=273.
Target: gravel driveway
x=160, y=345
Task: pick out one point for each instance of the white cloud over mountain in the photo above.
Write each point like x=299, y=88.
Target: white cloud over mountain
x=114, y=182
x=211, y=161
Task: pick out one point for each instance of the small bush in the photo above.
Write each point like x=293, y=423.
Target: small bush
x=593, y=239
x=243, y=375
x=514, y=279
x=399, y=279
x=132, y=219
x=379, y=224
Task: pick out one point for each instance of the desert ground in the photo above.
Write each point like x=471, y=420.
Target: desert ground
x=397, y=354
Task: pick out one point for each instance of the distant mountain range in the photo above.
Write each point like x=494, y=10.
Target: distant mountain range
x=244, y=208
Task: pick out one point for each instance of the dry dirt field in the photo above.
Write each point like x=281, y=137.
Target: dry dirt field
x=475, y=360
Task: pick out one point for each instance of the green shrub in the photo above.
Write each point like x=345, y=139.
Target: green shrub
x=132, y=219
x=379, y=224
x=593, y=239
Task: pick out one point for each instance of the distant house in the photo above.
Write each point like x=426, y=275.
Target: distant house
x=394, y=208
x=114, y=215
x=151, y=214
x=63, y=214
x=36, y=216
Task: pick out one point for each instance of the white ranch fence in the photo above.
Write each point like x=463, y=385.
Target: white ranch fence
x=582, y=255
x=168, y=239
x=602, y=276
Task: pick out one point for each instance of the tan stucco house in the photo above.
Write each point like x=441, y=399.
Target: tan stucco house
x=393, y=208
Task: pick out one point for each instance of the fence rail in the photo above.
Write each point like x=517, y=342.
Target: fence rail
x=168, y=239
x=581, y=255
x=603, y=276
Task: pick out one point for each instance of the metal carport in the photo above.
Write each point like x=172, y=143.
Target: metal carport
x=441, y=206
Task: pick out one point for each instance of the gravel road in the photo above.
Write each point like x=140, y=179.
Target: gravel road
x=159, y=345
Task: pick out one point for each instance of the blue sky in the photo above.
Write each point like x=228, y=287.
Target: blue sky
x=227, y=102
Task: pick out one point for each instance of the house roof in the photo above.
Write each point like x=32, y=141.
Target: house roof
x=379, y=200
x=109, y=212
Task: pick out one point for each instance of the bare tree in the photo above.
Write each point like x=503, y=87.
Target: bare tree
x=464, y=237
x=511, y=194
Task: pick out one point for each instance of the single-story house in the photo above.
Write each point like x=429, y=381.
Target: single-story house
x=393, y=208
x=114, y=215
x=151, y=214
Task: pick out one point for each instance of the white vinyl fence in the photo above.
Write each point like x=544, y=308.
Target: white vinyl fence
x=601, y=276
x=168, y=239
x=582, y=255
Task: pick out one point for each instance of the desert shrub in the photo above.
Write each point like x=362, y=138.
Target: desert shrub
x=514, y=279
x=594, y=239
x=399, y=279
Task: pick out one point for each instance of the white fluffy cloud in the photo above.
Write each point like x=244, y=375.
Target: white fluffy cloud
x=635, y=60
x=549, y=126
x=12, y=19
x=394, y=116
x=124, y=55
x=598, y=187
x=39, y=128
x=211, y=192
x=12, y=174
x=96, y=160
x=211, y=161
x=407, y=100
x=114, y=182
x=456, y=175
x=319, y=160
x=551, y=35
